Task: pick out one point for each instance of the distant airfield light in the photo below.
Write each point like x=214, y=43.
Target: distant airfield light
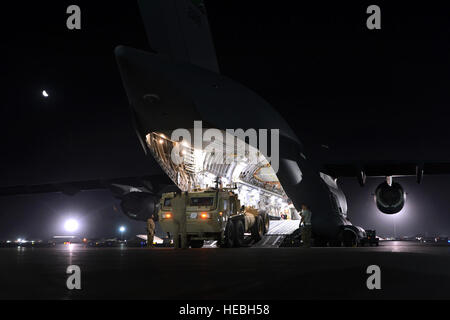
x=45, y=94
x=71, y=225
x=122, y=229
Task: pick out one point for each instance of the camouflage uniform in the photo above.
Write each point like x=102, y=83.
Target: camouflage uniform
x=150, y=232
x=307, y=228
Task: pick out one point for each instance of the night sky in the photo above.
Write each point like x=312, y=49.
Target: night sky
x=368, y=95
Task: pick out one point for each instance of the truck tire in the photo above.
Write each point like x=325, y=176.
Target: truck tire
x=239, y=231
x=197, y=244
x=258, y=229
x=228, y=236
x=266, y=222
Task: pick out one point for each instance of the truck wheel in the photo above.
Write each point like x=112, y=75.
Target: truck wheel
x=228, y=236
x=258, y=229
x=197, y=244
x=239, y=234
x=266, y=222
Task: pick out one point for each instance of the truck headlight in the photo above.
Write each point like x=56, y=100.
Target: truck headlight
x=204, y=215
x=167, y=215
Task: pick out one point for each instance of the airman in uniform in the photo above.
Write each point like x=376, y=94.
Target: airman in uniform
x=307, y=227
x=151, y=229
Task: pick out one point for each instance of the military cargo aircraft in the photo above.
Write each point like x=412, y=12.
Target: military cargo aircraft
x=179, y=84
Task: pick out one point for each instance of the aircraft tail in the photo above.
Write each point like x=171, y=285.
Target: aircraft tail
x=180, y=30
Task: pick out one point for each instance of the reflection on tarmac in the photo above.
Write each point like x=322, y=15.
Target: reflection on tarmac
x=409, y=270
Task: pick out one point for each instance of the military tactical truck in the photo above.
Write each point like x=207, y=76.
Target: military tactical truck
x=216, y=214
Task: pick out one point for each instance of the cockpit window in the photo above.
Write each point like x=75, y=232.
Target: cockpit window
x=202, y=202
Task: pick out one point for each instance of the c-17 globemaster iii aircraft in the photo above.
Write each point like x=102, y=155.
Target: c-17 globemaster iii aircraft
x=178, y=88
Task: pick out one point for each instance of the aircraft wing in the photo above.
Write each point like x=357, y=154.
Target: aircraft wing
x=386, y=169
x=144, y=183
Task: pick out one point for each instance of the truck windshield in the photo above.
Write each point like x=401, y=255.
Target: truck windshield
x=202, y=202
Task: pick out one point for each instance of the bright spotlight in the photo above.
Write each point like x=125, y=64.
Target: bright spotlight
x=122, y=229
x=71, y=225
x=44, y=94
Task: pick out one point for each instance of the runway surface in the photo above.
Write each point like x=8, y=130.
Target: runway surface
x=408, y=271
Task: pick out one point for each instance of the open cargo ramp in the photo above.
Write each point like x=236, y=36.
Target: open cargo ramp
x=278, y=230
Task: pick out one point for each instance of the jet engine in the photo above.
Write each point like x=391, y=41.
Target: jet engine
x=139, y=205
x=390, y=199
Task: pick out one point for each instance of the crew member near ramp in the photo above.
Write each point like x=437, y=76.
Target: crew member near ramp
x=151, y=229
x=179, y=217
x=307, y=228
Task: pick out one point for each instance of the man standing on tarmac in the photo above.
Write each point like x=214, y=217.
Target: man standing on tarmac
x=179, y=217
x=151, y=229
x=307, y=228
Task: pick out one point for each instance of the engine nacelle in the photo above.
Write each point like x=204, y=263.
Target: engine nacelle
x=390, y=199
x=139, y=205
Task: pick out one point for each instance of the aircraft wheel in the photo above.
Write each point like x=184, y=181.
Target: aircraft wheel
x=320, y=242
x=335, y=243
x=350, y=243
x=239, y=231
x=350, y=239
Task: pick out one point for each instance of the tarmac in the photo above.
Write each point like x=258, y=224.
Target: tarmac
x=409, y=270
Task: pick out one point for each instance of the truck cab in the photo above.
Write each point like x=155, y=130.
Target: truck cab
x=215, y=214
